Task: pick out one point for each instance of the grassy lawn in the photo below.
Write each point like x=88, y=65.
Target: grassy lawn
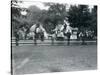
x=31, y=59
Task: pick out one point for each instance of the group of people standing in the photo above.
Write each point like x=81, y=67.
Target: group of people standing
x=37, y=31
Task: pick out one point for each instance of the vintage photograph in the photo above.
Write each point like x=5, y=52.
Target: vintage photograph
x=51, y=37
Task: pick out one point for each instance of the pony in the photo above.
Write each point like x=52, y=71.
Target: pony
x=37, y=32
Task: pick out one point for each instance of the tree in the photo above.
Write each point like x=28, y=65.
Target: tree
x=55, y=13
x=79, y=16
x=33, y=14
x=17, y=19
x=15, y=9
x=15, y=13
x=94, y=20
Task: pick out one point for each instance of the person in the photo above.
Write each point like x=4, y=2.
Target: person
x=67, y=31
x=78, y=35
x=39, y=33
x=36, y=34
x=26, y=33
x=68, y=37
x=82, y=36
x=16, y=33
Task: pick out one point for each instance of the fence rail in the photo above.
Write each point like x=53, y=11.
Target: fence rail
x=54, y=42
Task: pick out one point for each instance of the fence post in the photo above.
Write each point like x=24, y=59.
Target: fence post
x=52, y=40
x=17, y=39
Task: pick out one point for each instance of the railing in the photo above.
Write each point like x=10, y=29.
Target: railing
x=51, y=41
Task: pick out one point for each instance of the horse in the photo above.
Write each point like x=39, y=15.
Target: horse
x=62, y=31
x=37, y=32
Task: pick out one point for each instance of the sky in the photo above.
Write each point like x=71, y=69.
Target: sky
x=27, y=4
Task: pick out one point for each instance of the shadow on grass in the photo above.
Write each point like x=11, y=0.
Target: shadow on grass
x=54, y=69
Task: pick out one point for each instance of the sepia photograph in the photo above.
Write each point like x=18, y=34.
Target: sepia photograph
x=48, y=37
